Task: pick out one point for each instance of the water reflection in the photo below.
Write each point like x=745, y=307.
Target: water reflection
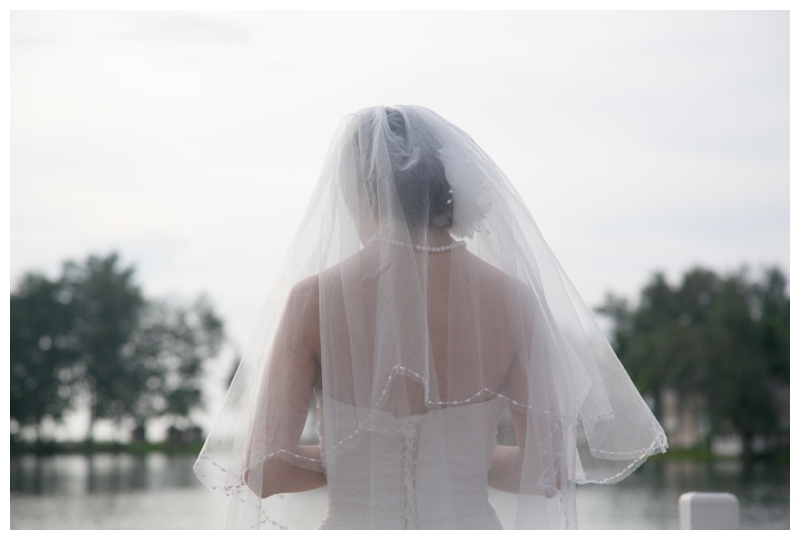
x=100, y=473
x=648, y=498
x=161, y=492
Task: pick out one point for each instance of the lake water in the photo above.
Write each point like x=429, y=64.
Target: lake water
x=161, y=492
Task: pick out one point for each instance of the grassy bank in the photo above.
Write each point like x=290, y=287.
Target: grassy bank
x=19, y=448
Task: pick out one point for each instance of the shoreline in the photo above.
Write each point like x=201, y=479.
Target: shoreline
x=45, y=449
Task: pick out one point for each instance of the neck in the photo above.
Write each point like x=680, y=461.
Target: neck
x=433, y=237
x=431, y=243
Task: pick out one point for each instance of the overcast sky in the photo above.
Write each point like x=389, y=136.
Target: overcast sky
x=190, y=142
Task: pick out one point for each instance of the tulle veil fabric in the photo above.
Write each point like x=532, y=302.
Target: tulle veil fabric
x=420, y=304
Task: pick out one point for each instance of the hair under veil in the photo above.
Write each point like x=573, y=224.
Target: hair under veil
x=419, y=304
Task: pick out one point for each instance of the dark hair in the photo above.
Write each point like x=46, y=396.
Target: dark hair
x=419, y=175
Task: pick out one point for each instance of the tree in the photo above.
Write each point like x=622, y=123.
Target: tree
x=107, y=310
x=724, y=339
x=773, y=308
x=43, y=351
x=176, y=339
x=91, y=331
x=738, y=382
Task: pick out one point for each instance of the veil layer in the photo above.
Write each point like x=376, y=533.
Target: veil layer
x=423, y=312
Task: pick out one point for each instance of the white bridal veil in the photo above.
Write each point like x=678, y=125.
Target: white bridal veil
x=419, y=307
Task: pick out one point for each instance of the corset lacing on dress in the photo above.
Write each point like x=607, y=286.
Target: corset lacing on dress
x=409, y=434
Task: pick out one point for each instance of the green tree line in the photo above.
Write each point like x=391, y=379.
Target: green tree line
x=91, y=333
x=723, y=338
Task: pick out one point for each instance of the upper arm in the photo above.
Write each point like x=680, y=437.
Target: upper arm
x=291, y=372
x=284, y=398
x=520, y=307
x=297, y=340
x=294, y=362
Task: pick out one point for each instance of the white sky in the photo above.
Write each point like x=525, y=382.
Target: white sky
x=190, y=142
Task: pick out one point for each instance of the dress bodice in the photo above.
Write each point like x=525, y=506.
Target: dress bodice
x=424, y=471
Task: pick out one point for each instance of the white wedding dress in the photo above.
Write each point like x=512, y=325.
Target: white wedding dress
x=430, y=469
x=417, y=298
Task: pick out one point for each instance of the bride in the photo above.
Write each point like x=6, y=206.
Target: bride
x=418, y=304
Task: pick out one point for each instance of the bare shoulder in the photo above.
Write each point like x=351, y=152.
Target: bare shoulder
x=500, y=287
x=302, y=307
x=306, y=289
x=305, y=294
x=490, y=275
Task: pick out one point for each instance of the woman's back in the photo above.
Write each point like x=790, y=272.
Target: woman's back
x=446, y=334
x=423, y=446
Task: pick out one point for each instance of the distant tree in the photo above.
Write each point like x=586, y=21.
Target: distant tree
x=659, y=342
x=725, y=339
x=43, y=352
x=165, y=354
x=773, y=309
x=738, y=382
x=92, y=332
x=189, y=336
x=107, y=309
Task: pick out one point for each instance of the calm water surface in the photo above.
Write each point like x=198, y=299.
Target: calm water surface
x=161, y=492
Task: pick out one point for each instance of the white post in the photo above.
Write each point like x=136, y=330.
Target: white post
x=716, y=511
